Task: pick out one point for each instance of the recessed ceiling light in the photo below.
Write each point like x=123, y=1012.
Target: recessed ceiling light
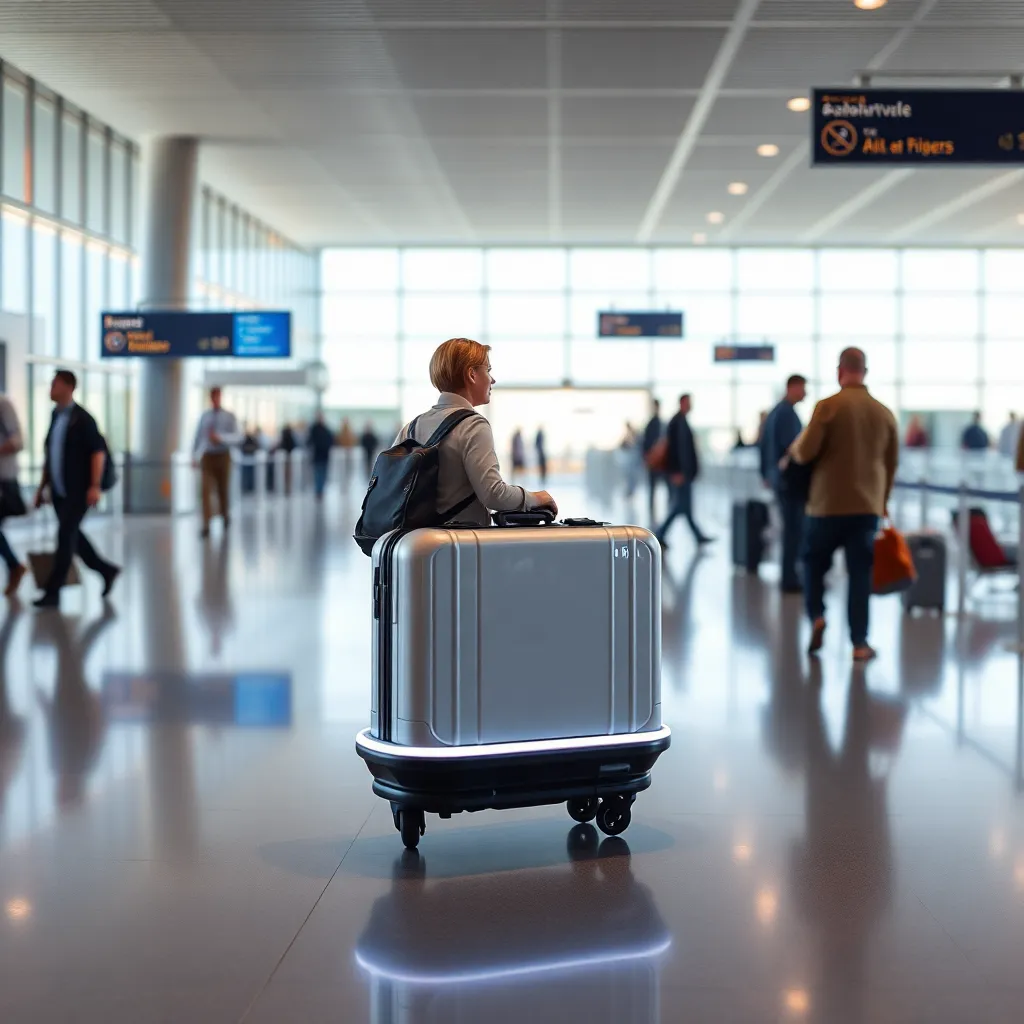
x=767, y=149
x=738, y=188
x=716, y=217
x=699, y=238
x=799, y=104
x=869, y=5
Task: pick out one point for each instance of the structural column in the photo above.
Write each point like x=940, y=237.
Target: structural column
x=170, y=168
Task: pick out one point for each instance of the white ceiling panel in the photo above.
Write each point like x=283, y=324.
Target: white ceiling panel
x=637, y=59
x=953, y=49
x=382, y=121
x=618, y=117
x=780, y=57
x=472, y=59
x=478, y=116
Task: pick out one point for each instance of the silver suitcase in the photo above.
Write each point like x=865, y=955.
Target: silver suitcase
x=515, y=665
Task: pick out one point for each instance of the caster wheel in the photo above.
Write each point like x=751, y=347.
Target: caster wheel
x=411, y=826
x=614, y=817
x=583, y=809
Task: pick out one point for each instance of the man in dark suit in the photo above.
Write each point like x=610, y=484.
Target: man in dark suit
x=73, y=474
x=781, y=429
x=683, y=469
x=652, y=435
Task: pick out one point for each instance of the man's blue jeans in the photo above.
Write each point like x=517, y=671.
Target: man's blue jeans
x=792, y=512
x=682, y=505
x=823, y=536
x=320, y=477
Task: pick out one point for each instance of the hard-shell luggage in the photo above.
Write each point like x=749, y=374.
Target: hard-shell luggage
x=513, y=666
x=749, y=522
x=929, y=589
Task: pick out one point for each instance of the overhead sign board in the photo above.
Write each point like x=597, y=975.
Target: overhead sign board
x=918, y=127
x=744, y=353
x=260, y=334
x=613, y=324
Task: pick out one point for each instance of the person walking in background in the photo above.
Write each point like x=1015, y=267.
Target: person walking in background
x=321, y=442
x=683, y=468
x=542, y=456
x=917, y=436
x=75, y=455
x=1009, y=437
x=287, y=443
x=630, y=449
x=975, y=437
x=370, y=443
x=652, y=435
x=211, y=452
x=518, y=453
x=11, y=501
x=853, y=442
x=780, y=430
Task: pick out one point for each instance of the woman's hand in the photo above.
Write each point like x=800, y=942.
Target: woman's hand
x=544, y=500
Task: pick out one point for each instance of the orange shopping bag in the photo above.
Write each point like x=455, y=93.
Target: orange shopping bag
x=894, y=564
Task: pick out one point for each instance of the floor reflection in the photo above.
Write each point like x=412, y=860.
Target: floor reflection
x=13, y=727
x=841, y=872
x=522, y=945
x=76, y=722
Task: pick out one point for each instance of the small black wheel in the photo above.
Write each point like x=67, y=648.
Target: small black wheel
x=614, y=816
x=583, y=809
x=411, y=826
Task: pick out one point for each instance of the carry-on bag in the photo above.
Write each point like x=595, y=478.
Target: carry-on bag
x=894, y=566
x=515, y=665
x=749, y=522
x=928, y=552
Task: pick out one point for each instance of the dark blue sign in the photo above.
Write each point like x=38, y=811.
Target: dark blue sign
x=184, y=335
x=744, y=353
x=922, y=127
x=613, y=324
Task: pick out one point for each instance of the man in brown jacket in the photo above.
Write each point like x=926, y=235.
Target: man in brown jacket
x=853, y=443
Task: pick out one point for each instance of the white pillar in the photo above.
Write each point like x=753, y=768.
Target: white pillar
x=170, y=167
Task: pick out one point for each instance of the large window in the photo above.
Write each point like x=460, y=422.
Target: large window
x=941, y=328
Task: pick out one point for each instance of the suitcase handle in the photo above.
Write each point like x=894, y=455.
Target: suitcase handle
x=538, y=517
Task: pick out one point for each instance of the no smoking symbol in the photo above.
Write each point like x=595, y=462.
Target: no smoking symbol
x=839, y=138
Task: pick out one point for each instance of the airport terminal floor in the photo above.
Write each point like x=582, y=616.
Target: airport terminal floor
x=188, y=835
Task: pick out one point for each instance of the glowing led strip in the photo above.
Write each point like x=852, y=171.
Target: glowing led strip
x=465, y=977
x=365, y=741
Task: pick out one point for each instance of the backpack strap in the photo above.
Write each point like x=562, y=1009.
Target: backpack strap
x=448, y=424
x=447, y=517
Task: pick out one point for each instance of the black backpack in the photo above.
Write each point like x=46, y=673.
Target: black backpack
x=403, y=488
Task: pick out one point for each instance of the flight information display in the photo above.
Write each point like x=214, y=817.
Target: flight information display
x=259, y=334
x=744, y=353
x=613, y=324
x=919, y=127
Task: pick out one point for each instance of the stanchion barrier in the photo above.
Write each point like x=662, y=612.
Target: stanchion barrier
x=963, y=526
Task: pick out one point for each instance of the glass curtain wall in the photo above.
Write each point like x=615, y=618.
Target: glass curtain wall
x=69, y=232
x=940, y=327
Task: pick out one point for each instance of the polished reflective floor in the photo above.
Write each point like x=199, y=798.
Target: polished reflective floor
x=187, y=835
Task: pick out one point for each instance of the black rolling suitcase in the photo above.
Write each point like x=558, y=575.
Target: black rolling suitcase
x=929, y=589
x=749, y=523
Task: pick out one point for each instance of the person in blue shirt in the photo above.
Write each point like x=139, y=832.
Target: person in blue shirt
x=975, y=437
x=781, y=429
